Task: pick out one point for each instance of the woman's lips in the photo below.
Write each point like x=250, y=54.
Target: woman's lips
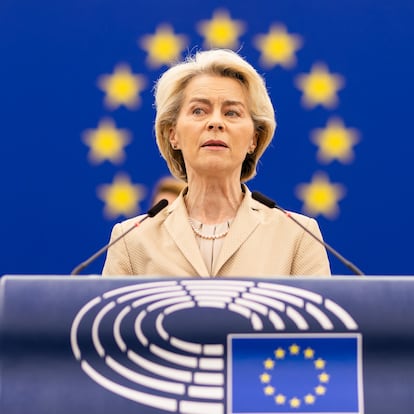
x=215, y=143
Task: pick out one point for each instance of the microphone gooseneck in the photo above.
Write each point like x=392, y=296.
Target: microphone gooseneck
x=272, y=204
x=153, y=211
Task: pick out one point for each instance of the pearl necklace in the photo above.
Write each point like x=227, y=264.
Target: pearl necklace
x=211, y=237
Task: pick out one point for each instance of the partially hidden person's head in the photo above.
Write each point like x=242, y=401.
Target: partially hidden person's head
x=167, y=188
x=170, y=94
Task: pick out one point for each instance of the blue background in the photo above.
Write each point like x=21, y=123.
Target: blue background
x=52, y=54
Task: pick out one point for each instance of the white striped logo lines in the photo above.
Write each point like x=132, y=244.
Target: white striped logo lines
x=163, y=344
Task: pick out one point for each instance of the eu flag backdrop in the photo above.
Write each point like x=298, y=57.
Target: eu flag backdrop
x=78, y=151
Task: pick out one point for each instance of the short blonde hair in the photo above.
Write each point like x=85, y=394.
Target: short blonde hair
x=169, y=97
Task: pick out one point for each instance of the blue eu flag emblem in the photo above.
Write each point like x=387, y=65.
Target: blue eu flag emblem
x=295, y=373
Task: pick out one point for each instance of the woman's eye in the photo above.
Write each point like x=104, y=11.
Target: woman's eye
x=198, y=111
x=232, y=113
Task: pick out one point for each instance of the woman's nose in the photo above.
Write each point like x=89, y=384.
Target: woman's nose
x=215, y=125
x=215, y=122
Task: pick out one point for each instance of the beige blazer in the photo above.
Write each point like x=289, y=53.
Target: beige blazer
x=261, y=242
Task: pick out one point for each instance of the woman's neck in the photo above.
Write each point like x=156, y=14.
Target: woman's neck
x=213, y=202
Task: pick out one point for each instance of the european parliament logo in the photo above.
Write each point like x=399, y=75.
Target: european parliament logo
x=300, y=373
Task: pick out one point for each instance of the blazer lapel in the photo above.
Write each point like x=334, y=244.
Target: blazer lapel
x=183, y=236
x=243, y=225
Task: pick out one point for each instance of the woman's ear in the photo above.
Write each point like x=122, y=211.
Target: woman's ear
x=253, y=144
x=173, y=138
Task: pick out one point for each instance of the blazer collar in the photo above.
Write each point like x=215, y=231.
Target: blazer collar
x=245, y=222
x=182, y=234
x=243, y=225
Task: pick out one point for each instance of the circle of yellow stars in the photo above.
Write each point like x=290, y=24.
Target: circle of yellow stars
x=278, y=47
x=295, y=401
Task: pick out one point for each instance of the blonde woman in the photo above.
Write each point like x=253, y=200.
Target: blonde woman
x=214, y=121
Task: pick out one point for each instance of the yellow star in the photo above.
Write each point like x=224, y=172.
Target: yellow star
x=309, y=353
x=335, y=141
x=269, y=363
x=294, y=402
x=280, y=399
x=121, y=197
x=320, y=363
x=164, y=47
x=320, y=196
x=265, y=378
x=280, y=353
x=324, y=377
x=269, y=390
x=294, y=349
x=319, y=87
x=122, y=87
x=309, y=399
x=320, y=390
x=221, y=30
x=106, y=142
x=278, y=47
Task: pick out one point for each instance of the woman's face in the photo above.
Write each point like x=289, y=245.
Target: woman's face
x=214, y=129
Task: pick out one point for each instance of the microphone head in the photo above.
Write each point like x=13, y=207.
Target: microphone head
x=263, y=199
x=154, y=210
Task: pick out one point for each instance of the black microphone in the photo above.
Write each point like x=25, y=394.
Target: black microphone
x=154, y=210
x=272, y=204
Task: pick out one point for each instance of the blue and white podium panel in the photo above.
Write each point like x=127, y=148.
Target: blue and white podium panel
x=88, y=344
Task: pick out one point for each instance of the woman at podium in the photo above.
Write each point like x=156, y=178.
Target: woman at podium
x=214, y=120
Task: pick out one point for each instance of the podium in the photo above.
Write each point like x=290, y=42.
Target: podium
x=88, y=344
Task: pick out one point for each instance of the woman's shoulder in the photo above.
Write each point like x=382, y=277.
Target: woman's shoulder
x=272, y=213
x=129, y=222
x=143, y=218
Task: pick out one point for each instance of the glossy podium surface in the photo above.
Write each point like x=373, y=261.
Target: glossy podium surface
x=171, y=345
